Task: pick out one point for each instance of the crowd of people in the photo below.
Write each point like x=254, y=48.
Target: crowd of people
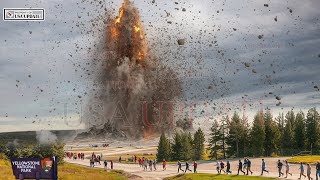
x=245, y=167
x=221, y=167
x=74, y=156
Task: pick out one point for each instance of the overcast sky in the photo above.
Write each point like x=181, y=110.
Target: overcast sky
x=238, y=55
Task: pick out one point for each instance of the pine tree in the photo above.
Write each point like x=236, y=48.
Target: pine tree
x=236, y=135
x=280, y=124
x=272, y=140
x=176, y=147
x=223, y=130
x=244, y=141
x=291, y=118
x=163, y=151
x=215, y=140
x=313, y=130
x=198, y=142
x=187, y=146
x=300, y=132
x=258, y=135
x=287, y=140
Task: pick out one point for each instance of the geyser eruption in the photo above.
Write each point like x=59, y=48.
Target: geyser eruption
x=136, y=93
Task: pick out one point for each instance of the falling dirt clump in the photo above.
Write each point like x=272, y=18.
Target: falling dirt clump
x=135, y=91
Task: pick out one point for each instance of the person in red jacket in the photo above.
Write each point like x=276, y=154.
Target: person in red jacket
x=164, y=164
x=195, y=166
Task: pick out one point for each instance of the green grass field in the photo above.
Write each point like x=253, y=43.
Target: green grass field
x=304, y=159
x=69, y=172
x=201, y=176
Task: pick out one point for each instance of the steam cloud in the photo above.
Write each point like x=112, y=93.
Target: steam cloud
x=46, y=137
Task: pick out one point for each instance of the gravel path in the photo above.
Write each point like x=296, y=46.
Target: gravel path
x=205, y=167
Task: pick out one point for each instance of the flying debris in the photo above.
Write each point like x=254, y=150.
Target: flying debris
x=137, y=82
x=181, y=41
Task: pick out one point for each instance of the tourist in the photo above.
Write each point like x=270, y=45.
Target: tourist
x=222, y=167
x=240, y=168
x=120, y=159
x=164, y=164
x=245, y=164
x=218, y=167
x=263, y=167
x=279, y=166
x=228, y=168
x=105, y=164
x=301, y=171
x=195, y=166
x=318, y=170
x=179, y=166
x=155, y=164
x=187, y=167
x=309, y=172
x=287, y=169
x=150, y=164
x=249, y=167
x=111, y=164
x=145, y=163
x=91, y=163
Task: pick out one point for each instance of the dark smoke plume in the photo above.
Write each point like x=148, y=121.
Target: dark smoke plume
x=135, y=92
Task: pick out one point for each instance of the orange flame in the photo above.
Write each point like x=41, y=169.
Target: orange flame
x=128, y=34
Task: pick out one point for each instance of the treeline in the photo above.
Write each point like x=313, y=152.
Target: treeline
x=14, y=150
x=286, y=134
x=184, y=146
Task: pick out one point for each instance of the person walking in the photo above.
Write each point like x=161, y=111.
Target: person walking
x=150, y=165
x=249, y=167
x=309, y=172
x=164, y=164
x=145, y=164
x=301, y=170
x=218, y=167
x=154, y=164
x=120, y=159
x=245, y=164
x=111, y=164
x=318, y=170
x=228, y=168
x=179, y=166
x=240, y=168
x=222, y=167
x=91, y=163
x=263, y=167
x=279, y=166
x=287, y=169
x=105, y=164
x=195, y=166
x=187, y=167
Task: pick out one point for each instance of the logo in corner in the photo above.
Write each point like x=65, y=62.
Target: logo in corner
x=46, y=164
x=23, y=14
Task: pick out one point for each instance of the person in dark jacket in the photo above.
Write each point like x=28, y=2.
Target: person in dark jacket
x=228, y=168
x=279, y=166
x=240, y=168
x=318, y=170
x=249, y=167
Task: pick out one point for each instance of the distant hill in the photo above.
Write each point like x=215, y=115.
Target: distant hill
x=31, y=136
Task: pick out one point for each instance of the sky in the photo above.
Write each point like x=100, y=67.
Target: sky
x=239, y=56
